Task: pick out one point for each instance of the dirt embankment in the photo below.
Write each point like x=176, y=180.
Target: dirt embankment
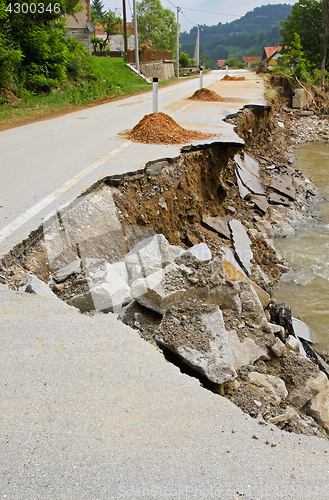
x=174, y=197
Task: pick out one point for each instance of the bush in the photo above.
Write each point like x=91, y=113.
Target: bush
x=233, y=62
x=184, y=60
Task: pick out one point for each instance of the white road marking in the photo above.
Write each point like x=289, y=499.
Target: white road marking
x=181, y=109
x=31, y=212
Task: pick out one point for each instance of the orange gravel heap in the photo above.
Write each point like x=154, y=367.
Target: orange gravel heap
x=207, y=95
x=233, y=78
x=159, y=128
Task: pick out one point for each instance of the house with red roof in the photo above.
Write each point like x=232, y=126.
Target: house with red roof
x=221, y=63
x=251, y=59
x=271, y=54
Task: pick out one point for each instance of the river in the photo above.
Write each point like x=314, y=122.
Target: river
x=307, y=292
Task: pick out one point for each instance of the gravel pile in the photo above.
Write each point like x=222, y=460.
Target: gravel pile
x=207, y=95
x=233, y=78
x=159, y=128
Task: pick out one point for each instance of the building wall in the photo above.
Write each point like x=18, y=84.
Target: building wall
x=77, y=28
x=117, y=42
x=164, y=70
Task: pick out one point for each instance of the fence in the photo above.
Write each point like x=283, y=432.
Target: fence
x=149, y=56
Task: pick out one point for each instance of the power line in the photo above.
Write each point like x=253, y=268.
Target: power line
x=210, y=12
x=188, y=19
x=172, y=4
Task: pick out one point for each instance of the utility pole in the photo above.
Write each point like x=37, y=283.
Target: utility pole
x=136, y=37
x=177, y=48
x=125, y=28
x=198, y=47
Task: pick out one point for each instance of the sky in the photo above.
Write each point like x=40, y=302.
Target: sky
x=207, y=12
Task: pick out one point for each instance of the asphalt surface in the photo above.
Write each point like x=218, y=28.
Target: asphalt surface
x=47, y=164
x=89, y=410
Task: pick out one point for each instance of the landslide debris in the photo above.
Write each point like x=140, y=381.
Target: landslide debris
x=174, y=198
x=159, y=128
x=228, y=78
x=207, y=95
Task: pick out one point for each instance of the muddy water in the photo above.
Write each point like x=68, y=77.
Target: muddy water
x=307, y=292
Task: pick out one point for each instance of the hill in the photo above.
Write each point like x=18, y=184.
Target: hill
x=245, y=36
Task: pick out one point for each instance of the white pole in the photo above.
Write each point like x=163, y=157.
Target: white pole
x=136, y=37
x=226, y=69
x=198, y=47
x=201, y=77
x=177, y=42
x=155, y=95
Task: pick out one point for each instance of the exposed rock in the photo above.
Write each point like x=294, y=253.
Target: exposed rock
x=274, y=385
x=283, y=418
x=91, y=223
x=31, y=284
x=177, y=251
x=292, y=343
x=278, y=348
x=318, y=407
x=200, y=252
x=62, y=274
x=108, y=291
x=103, y=297
x=152, y=291
x=234, y=274
x=251, y=303
x=148, y=256
x=122, y=270
x=299, y=397
x=155, y=168
x=219, y=225
x=245, y=352
x=278, y=331
x=208, y=352
x=242, y=244
x=174, y=284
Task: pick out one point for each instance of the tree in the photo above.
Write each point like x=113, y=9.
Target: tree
x=295, y=56
x=324, y=46
x=112, y=25
x=306, y=20
x=97, y=10
x=157, y=24
x=33, y=47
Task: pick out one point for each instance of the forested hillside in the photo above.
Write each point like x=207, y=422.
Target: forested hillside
x=242, y=37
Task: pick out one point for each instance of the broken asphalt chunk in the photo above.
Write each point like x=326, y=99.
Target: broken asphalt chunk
x=248, y=172
x=242, y=244
x=282, y=184
x=219, y=225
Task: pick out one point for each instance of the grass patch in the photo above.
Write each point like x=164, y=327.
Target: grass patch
x=110, y=78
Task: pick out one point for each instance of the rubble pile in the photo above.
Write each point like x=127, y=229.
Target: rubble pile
x=207, y=95
x=159, y=128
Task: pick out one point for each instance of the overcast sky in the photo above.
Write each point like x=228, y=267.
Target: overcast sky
x=207, y=12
